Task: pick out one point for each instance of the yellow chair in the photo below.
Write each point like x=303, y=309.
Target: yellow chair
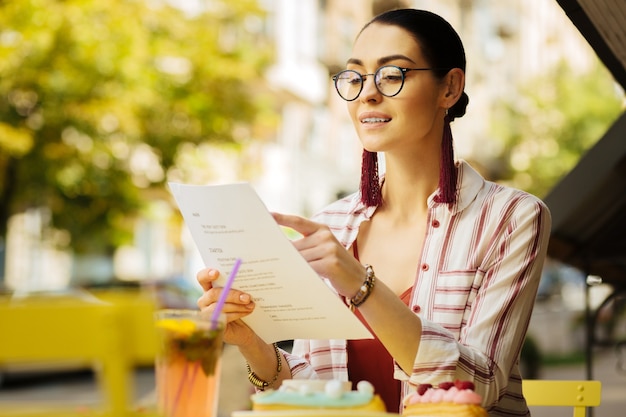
x=137, y=307
x=61, y=329
x=579, y=394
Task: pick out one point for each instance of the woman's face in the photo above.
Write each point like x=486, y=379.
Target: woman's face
x=405, y=122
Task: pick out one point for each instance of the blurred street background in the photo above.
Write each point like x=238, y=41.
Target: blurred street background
x=103, y=103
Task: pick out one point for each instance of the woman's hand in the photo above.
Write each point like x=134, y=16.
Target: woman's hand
x=237, y=305
x=325, y=254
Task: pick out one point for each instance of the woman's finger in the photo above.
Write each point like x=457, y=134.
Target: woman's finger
x=235, y=300
x=299, y=224
x=206, y=276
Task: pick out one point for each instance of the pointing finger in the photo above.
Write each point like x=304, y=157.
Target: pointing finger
x=297, y=223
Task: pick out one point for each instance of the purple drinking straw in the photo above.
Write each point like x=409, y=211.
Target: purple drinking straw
x=222, y=300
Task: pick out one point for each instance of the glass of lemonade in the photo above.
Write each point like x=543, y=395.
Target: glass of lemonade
x=188, y=363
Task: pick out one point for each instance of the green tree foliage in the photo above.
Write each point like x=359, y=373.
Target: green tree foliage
x=97, y=98
x=553, y=122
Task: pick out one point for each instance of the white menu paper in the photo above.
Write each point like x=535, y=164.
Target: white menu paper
x=292, y=302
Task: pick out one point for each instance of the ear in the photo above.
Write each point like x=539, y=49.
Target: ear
x=452, y=87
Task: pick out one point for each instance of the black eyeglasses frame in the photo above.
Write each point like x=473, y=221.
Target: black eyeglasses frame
x=363, y=77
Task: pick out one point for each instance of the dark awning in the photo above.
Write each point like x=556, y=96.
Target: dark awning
x=589, y=210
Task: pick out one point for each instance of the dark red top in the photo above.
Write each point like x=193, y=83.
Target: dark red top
x=368, y=360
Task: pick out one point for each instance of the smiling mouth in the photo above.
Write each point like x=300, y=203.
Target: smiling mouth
x=375, y=120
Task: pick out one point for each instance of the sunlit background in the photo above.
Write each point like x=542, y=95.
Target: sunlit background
x=104, y=102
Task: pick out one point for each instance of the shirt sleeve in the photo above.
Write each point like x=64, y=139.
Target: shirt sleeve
x=319, y=359
x=495, y=322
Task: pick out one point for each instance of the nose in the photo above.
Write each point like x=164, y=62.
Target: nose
x=370, y=91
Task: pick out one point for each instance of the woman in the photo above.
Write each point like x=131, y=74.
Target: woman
x=455, y=260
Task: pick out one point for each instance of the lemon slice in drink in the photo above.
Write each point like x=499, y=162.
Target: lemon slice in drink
x=182, y=327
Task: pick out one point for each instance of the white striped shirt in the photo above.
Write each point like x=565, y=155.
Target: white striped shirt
x=474, y=291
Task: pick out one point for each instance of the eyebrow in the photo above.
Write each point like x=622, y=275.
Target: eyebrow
x=382, y=61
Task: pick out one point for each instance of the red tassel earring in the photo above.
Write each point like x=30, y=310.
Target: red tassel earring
x=447, y=168
x=370, y=183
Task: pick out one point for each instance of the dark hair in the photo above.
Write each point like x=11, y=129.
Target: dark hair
x=440, y=44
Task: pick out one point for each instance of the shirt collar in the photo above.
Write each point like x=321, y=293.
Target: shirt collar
x=469, y=183
x=357, y=207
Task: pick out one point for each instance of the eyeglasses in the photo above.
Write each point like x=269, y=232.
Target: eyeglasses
x=389, y=80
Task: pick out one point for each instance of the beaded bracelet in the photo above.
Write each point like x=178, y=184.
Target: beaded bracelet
x=365, y=290
x=258, y=382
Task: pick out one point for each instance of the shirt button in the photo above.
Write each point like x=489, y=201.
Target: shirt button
x=425, y=267
x=435, y=223
x=417, y=309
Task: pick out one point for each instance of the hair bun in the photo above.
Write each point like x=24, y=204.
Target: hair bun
x=458, y=109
